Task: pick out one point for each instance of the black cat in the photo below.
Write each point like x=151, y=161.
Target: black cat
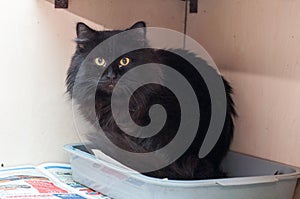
x=94, y=96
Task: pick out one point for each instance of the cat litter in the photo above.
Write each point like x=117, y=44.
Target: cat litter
x=249, y=178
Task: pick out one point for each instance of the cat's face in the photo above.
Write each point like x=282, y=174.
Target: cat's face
x=99, y=64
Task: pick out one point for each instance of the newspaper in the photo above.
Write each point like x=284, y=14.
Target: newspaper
x=47, y=181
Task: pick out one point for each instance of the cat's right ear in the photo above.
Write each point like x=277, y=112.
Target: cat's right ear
x=84, y=34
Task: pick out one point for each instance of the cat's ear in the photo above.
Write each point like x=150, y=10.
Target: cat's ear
x=84, y=35
x=140, y=28
x=139, y=24
x=84, y=32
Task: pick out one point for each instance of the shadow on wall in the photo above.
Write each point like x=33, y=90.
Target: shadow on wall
x=242, y=36
x=120, y=14
x=260, y=37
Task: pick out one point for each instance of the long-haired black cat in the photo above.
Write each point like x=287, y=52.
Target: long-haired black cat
x=90, y=87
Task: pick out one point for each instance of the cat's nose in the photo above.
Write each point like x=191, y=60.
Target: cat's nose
x=111, y=75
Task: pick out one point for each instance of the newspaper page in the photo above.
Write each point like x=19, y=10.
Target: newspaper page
x=28, y=182
x=61, y=174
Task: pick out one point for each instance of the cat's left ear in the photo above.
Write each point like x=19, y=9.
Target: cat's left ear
x=141, y=28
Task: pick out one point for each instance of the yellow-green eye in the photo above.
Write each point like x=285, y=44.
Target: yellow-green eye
x=124, y=61
x=100, y=61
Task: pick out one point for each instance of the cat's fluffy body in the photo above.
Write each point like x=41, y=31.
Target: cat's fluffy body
x=188, y=166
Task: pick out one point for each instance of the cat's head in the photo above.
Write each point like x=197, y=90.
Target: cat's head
x=88, y=38
x=96, y=62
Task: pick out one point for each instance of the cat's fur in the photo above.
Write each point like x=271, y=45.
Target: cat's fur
x=188, y=166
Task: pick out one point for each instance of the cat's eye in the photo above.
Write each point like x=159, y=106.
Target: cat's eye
x=100, y=61
x=124, y=61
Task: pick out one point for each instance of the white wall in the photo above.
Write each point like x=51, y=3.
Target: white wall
x=36, y=47
x=36, y=41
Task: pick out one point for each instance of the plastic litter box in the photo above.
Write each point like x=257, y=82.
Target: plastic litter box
x=249, y=178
